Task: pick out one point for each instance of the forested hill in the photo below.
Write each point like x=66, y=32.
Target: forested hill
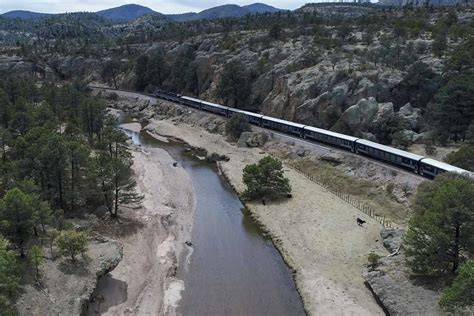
x=395, y=76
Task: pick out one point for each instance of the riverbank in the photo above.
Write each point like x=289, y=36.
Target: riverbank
x=315, y=231
x=154, y=237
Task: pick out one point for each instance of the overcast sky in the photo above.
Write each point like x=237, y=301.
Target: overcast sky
x=164, y=6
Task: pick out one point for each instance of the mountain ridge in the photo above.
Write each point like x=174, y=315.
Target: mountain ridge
x=130, y=12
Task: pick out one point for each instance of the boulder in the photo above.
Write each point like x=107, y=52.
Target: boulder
x=318, y=112
x=252, y=139
x=365, y=89
x=339, y=94
x=361, y=114
x=369, y=136
x=392, y=238
x=385, y=111
x=410, y=115
x=368, y=108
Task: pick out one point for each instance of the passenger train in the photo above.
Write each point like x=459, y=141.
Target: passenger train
x=426, y=167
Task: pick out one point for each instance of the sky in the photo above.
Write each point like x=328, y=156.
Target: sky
x=163, y=6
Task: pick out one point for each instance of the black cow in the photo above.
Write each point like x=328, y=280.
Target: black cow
x=360, y=222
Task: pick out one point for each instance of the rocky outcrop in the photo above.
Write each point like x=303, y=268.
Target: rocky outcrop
x=252, y=139
x=392, y=286
x=397, y=293
x=67, y=286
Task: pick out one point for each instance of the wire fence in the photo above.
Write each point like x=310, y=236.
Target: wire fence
x=364, y=208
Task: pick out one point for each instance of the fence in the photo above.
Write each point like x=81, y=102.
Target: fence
x=364, y=208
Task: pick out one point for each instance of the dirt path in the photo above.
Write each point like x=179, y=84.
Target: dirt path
x=154, y=238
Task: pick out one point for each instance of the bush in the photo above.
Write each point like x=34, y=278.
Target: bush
x=265, y=178
x=461, y=291
x=463, y=158
x=236, y=126
x=373, y=260
x=72, y=243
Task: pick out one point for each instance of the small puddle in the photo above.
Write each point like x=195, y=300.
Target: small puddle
x=234, y=269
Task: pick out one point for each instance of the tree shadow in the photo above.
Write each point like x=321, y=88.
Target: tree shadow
x=78, y=267
x=120, y=227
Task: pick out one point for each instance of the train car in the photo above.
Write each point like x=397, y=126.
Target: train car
x=431, y=168
x=253, y=118
x=212, y=107
x=325, y=136
x=395, y=156
x=283, y=126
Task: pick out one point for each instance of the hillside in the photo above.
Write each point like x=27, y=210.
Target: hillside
x=25, y=15
x=125, y=13
x=356, y=69
x=130, y=12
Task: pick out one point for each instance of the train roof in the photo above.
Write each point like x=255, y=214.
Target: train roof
x=444, y=166
x=334, y=134
x=245, y=112
x=205, y=102
x=283, y=121
x=391, y=150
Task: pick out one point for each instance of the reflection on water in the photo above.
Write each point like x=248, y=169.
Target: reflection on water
x=234, y=270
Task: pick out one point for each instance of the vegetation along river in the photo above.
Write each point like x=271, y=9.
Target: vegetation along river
x=234, y=269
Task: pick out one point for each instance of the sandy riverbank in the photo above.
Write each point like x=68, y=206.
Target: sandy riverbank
x=315, y=231
x=154, y=238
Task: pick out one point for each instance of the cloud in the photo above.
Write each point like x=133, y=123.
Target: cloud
x=164, y=6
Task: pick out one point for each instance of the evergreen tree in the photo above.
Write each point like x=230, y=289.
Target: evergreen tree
x=36, y=256
x=265, y=178
x=9, y=274
x=441, y=230
x=18, y=216
x=460, y=293
x=454, y=112
x=234, y=86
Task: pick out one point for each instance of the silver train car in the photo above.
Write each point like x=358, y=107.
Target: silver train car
x=426, y=167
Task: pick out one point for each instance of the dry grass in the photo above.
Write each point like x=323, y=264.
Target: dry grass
x=375, y=195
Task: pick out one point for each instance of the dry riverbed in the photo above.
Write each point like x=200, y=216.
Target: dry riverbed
x=154, y=236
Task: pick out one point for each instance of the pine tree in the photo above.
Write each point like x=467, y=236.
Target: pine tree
x=36, y=256
x=441, y=230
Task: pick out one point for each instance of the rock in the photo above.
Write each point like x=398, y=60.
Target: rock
x=397, y=293
x=410, y=115
x=252, y=139
x=369, y=136
x=361, y=114
x=368, y=108
x=318, y=112
x=365, y=89
x=392, y=238
x=339, y=94
x=385, y=111
x=352, y=117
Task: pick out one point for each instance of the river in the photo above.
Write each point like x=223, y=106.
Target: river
x=234, y=269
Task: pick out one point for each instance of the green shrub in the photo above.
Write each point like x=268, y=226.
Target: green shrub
x=72, y=243
x=373, y=260
x=461, y=291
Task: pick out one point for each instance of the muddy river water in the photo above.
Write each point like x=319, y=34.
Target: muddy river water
x=234, y=269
